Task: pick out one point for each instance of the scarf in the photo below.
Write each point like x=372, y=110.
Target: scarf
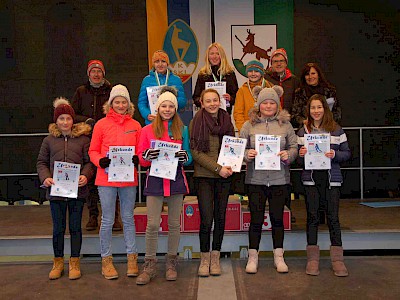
x=97, y=85
x=205, y=124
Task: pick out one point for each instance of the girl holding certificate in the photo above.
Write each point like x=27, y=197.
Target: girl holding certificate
x=266, y=118
x=167, y=127
x=217, y=70
x=324, y=184
x=212, y=180
x=116, y=129
x=159, y=76
x=67, y=142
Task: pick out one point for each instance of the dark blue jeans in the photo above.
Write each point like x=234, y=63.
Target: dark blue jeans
x=59, y=216
x=331, y=195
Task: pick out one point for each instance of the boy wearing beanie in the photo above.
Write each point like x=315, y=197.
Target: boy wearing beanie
x=245, y=98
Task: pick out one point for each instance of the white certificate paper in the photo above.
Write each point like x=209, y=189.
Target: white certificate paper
x=121, y=167
x=220, y=87
x=232, y=152
x=66, y=179
x=153, y=92
x=268, y=147
x=317, y=145
x=166, y=164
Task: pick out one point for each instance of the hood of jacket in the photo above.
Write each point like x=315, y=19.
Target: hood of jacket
x=78, y=129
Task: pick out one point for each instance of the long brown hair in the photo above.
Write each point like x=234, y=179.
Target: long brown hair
x=176, y=126
x=322, y=81
x=328, y=124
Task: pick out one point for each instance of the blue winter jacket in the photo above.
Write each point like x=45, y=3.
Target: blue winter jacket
x=151, y=80
x=342, y=153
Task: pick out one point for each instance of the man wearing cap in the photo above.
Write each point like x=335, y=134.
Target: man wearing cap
x=245, y=98
x=88, y=103
x=279, y=74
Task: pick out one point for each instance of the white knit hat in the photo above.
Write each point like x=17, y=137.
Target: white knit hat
x=119, y=90
x=168, y=93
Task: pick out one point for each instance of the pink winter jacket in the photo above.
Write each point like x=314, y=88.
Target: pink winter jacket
x=113, y=130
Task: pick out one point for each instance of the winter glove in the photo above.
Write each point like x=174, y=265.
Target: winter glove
x=150, y=154
x=135, y=160
x=104, y=162
x=182, y=155
x=90, y=122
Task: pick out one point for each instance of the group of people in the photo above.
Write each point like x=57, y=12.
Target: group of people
x=100, y=117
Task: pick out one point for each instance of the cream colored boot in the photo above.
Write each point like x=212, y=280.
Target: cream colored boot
x=252, y=262
x=279, y=262
x=215, y=267
x=204, y=268
x=58, y=268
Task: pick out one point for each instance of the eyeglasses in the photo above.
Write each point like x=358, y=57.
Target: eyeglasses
x=278, y=61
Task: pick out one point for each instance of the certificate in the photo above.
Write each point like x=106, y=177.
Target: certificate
x=166, y=164
x=317, y=145
x=66, y=178
x=220, y=87
x=121, y=167
x=268, y=147
x=153, y=92
x=232, y=152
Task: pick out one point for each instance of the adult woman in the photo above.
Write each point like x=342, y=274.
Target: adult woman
x=67, y=142
x=167, y=127
x=313, y=81
x=324, y=183
x=245, y=99
x=216, y=69
x=268, y=119
x=116, y=129
x=212, y=180
x=159, y=75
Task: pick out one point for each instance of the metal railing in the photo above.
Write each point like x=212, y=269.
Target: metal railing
x=361, y=167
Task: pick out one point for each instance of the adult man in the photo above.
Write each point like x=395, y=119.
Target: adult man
x=279, y=74
x=88, y=103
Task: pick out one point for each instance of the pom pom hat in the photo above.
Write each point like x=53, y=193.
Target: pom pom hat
x=168, y=93
x=119, y=90
x=61, y=107
x=273, y=93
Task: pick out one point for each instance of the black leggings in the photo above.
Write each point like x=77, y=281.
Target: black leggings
x=276, y=195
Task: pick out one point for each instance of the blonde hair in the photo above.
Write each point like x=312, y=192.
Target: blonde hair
x=224, y=67
x=176, y=127
x=130, y=111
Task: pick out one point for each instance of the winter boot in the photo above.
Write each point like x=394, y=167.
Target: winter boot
x=133, y=269
x=170, y=267
x=74, y=268
x=107, y=268
x=312, y=267
x=92, y=224
x=339, y=269
x=58, y=268
x=204, y=268
x=252, y=262
x=279, y=262
x=149, y=271
x=215, y=268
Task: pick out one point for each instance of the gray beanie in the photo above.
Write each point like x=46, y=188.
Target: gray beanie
x=119, y=90
x=263, y=94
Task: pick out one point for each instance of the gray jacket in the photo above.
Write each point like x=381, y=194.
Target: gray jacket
x=277, y=125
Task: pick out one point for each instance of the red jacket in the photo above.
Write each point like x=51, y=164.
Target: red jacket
x=113, y=130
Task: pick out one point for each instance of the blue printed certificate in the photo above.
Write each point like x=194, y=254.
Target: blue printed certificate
x=166, y=164
x=121, y=167
x=317, y=145
x=66, y=179
x=232, y=152
x=267, y=147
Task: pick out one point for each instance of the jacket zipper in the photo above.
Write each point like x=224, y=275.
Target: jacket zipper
x=94, y=107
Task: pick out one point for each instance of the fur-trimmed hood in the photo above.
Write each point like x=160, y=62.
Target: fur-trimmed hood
x=78, y=129
x=282, y=116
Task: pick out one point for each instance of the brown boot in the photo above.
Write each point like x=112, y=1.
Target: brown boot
x=74, y=268
x=204, y=268
x=58, y=268
x=149, y=271
x=339, y=269
x=215, y=268
x=117, y=226
x=170, y=267
x=312, y=267
x=107, y=268
x=133, y=269
x=92, y=224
